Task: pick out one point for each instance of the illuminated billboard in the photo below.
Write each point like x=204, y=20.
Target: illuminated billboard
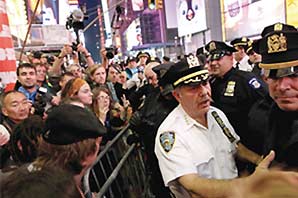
x=133, y=34
x=137, y=5
x=17, y=17
x=292, y=12
x=47, y=12
x=249, y=17
x=191, y=16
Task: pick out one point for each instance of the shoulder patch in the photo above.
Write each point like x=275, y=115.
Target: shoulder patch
x=254, y=83
x=167, y=140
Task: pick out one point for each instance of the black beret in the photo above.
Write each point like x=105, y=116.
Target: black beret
x=277, y=27
x=188, y=71
x=67, y=124
x=279, y=50
x=218, y=46
x=161, y=69
x=240, y=42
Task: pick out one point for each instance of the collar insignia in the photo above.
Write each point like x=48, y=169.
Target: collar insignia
x=167, y=140
x=277, y=43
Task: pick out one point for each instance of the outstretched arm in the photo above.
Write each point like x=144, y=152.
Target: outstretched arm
x=261, y=184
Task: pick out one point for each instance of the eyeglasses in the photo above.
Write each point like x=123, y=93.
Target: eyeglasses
x=217, y=56
x=103, y=97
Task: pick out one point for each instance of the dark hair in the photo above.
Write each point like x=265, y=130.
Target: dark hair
x=166, y=58
x=5, y=94
x=117, y=67
x=25, y=65
x=68, y=157
x=26, y=135
x=45, y=182
x=67, y=73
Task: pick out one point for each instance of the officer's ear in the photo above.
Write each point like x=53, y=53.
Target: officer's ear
x=177, y=94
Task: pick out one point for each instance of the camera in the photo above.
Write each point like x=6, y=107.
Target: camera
x=111, y=52
x=75, y=20
x=44, y=94
x=50, y=59
x=74, y=46
x=41, y=100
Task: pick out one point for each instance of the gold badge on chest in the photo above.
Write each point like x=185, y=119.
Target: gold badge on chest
x=230, y=88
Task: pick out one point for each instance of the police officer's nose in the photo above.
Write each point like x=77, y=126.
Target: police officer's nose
x=203, y=90
x=284, y=83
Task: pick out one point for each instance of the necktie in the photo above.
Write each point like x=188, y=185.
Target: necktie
x=237, y=65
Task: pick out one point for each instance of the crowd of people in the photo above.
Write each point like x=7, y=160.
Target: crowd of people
x=219, y=123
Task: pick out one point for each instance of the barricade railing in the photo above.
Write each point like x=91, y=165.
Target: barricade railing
x=119, y=170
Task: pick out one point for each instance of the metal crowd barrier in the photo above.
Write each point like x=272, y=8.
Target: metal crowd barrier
x=119, y=170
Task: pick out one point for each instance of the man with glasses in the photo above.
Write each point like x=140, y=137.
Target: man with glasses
x=279, y=50
x=195, y=145
x=233, y=91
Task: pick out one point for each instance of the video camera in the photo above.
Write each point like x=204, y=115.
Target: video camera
x=42, y=98
x=111, y=52
x=75, y=20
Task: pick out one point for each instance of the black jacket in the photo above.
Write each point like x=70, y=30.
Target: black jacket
x=235, y=94
x=282, y=136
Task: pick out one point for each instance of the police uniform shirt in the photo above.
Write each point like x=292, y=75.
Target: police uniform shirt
x=244, y=64
x=183, y=146
x=235, y=94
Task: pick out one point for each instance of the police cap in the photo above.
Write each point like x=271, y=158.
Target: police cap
x=279, y=50
x=219, y=46
x=277, y=27
x=188, y=71
x=240, y=42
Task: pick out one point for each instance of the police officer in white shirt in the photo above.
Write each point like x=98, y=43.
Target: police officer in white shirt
x=195, y=145
x=241, y=59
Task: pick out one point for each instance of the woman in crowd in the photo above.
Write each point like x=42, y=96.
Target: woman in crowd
x=97, y=76
x=77, y=91
x=111, y=114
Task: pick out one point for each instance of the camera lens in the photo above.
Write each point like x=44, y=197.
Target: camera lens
x=109, y=55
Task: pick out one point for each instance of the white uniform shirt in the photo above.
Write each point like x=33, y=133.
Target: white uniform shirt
x=195, y=149
x=244, y=65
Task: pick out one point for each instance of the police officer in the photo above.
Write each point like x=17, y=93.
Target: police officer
x=233, y=91
x=279, y=49
x=239, y=55
x=157, y=105
x=195, y=144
